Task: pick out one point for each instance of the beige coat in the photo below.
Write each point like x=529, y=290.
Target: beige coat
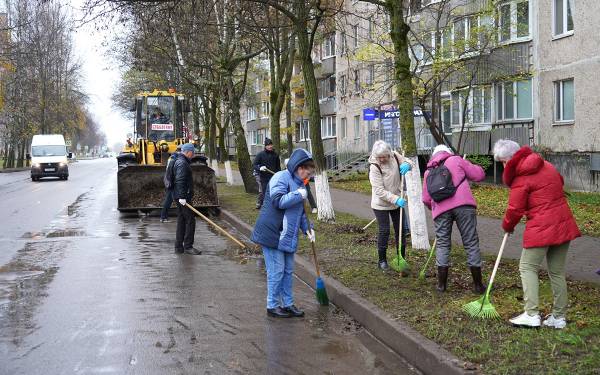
x=385, y=189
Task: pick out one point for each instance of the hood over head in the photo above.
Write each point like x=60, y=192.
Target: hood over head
x=298, y=157
x=524, y=162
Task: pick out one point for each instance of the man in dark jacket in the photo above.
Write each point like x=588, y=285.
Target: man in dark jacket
x=266, y=159
x=168, y=180
x=183, y=192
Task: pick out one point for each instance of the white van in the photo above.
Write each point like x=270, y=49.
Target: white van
x=49, y=157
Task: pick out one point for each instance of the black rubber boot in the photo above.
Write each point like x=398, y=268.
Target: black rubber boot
x=294, y=311
x=478, y=286
x=442, y=278
x=278, y=312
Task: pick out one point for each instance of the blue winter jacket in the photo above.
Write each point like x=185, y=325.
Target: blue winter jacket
x=282, y=212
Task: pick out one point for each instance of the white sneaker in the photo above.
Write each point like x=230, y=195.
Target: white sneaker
x=526, y=320
x=558, y=323
x=314, y=210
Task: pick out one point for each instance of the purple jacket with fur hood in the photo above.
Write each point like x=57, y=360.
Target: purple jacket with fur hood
x=459, y=168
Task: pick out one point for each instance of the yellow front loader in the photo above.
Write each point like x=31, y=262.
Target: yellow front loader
x=159, y=130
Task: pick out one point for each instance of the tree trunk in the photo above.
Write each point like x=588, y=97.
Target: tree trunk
x=324, y=203
x=288, y=122
x=243, y=156
x=402, y=73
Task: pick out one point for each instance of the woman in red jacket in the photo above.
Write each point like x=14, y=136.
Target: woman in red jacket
x=536, y=192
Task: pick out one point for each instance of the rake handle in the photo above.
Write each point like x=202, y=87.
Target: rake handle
x=489, y=287
x=215, y=226
x=368, y=225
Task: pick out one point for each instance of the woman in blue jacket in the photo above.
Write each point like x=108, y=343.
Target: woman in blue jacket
x=276, y=230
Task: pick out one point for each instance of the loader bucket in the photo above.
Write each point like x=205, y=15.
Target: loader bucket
x=141, y=187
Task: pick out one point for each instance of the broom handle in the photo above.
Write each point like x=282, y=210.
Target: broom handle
x=215, y=226
x=497, y=263
x=312, y=244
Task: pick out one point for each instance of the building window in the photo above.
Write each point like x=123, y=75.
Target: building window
x=513, y=21
x=482, y=105
x=371, y=29
x=563, y=17
x=446, y=43
x=326, y=88
x=343, y=84
x=265, y=109
x=456, y=108
x=251, y=113
x=343, y=43
x=564, y=100
x=257, y=85
x=302, y=133
x=328, y=48
x=357, y=127
x=328, y=126
x=355, y=36
x=343, y=128
x=513, y=100
x=356, y=80
x=446, y=113
x=371, y=75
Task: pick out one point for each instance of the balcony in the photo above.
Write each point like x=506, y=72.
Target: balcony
x=325, y=68
x=328, y=106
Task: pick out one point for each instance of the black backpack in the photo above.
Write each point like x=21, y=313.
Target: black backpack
x=169, y=178
x=439, y=183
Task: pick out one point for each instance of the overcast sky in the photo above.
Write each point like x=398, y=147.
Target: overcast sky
x=100, y=78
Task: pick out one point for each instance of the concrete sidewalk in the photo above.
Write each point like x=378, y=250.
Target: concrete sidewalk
x=582, y=262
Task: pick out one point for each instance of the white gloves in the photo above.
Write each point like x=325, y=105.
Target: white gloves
x=182, y=202
x=263, y=169
x=303, y=192
x=311, y=235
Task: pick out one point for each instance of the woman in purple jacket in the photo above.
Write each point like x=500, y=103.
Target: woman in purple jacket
x=459, y=208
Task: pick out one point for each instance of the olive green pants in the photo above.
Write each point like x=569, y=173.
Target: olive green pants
x=531, y=260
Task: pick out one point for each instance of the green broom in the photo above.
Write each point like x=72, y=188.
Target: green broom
x=431, y=251
x=482, y=307
x=399, y=264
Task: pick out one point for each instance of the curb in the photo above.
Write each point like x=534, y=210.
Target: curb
x=426, y=355
x=11, y=170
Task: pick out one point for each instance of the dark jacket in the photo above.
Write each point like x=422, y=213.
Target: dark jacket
x=282, y=213
x=184, y=182
x=269, y=159
x=536, y=191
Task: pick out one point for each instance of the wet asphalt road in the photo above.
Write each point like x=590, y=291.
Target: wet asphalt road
x=84, y=290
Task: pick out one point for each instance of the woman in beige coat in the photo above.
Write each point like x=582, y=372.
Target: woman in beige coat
x=385, y=170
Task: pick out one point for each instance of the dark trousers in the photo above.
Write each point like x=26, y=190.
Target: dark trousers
x=164, y=212
x=383, y=220
x=186, y=226
x=263, y=185
x=466, y=221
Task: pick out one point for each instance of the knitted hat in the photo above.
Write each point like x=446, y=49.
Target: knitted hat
x=187, y=147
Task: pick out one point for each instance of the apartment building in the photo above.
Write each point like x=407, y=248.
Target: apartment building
x=519, y=69
x=567, y=81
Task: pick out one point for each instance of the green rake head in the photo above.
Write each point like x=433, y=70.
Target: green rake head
x=481, y=308
x=399, y=264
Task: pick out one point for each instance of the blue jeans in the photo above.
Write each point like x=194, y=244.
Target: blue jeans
x=164, y=212
x=280, y=270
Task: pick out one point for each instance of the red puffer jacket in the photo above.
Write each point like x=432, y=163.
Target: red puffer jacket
x=536, y=190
